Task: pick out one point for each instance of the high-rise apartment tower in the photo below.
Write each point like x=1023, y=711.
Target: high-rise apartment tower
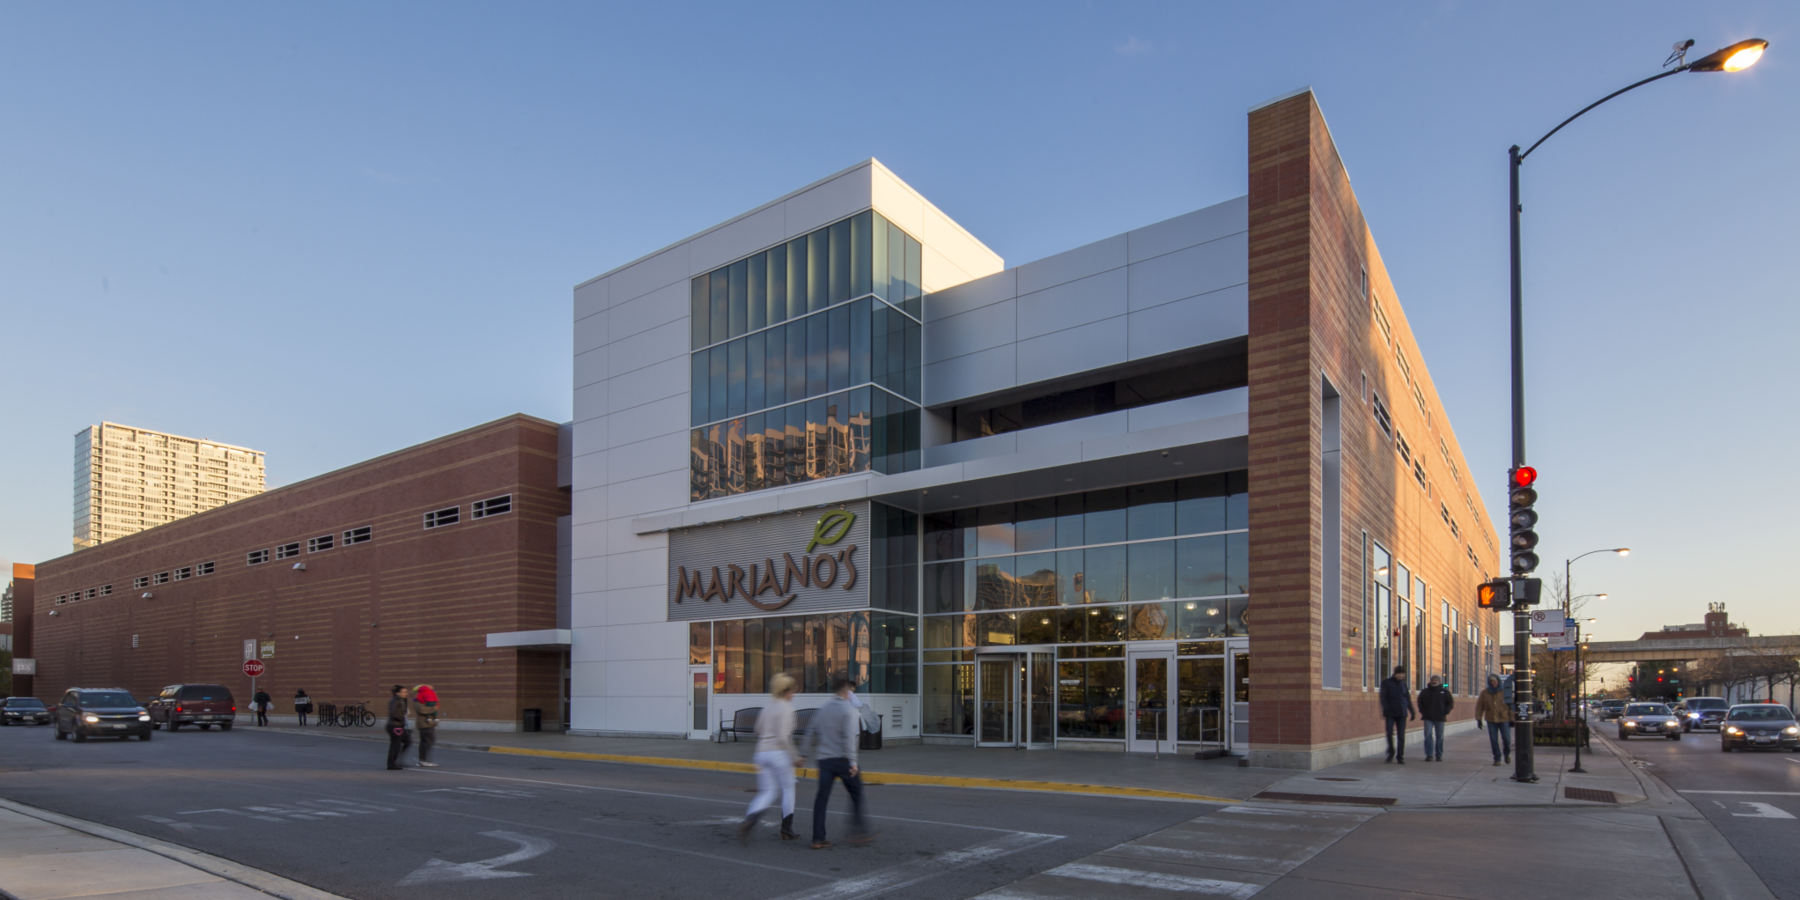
x=129, y=479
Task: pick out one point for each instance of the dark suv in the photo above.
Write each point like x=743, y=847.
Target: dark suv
x=108, y=712
x=24, y=711
x=204, y=705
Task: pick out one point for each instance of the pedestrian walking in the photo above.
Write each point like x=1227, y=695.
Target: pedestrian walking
x=302, y=705
x=1435, y=704
x=1396, y=711
x=398, y=737
x=425, y=718
x=775, y=759
x=261, y=701
x=831, y=741
x=1491, y=713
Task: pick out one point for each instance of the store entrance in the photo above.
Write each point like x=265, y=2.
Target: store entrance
x=1015, y=698
x=1150, y=682
x=1237, y=652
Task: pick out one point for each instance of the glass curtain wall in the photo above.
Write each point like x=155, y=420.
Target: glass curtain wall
x=1089, y=573
x=807, y=360
x=877, y=651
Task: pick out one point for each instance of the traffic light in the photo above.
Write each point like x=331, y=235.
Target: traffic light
x=1495, y=595
x=1522, y=519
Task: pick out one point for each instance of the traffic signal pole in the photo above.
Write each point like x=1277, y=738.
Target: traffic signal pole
x=1524, y=768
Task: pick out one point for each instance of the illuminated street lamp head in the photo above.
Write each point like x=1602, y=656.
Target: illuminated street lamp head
x=1735, y=58
x=1600, y=596
x=1623, y=551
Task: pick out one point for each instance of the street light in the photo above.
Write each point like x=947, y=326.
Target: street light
x=1734, y=58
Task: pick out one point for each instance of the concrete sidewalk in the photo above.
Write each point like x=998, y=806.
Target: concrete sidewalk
x=46, y=855
x=1466, y=778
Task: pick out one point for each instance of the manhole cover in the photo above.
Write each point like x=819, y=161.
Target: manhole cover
x=1329, y=778
x=1326, y=798
x=1589, y=794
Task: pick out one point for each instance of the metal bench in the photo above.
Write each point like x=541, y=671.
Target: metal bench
x=742, y=722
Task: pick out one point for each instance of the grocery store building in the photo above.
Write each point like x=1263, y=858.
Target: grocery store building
x=1187, y=485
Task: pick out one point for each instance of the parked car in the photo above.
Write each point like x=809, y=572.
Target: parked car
x=1611, y=709
x=108, y=712
x=204, y=705
x=1703, y=713
x=1648, y=720
x=24, y=711
x=1759, y=726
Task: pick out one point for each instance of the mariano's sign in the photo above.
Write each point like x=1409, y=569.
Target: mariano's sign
x=806, y=562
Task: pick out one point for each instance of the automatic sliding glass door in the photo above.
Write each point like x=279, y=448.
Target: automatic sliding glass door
x=1016, y=699
x=1151, y=722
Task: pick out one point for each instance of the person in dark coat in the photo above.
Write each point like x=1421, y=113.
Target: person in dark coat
x=1396, y=711
x=398, y=737
x=1435, y=704
x=302, y=704
x=261, y=701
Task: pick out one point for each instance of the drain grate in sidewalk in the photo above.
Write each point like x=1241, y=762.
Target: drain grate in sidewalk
x=1326, y=798
x=1589, y=794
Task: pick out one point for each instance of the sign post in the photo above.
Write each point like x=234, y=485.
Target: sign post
x=253, y=668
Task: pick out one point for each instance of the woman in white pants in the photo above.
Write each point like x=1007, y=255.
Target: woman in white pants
x=775, y=759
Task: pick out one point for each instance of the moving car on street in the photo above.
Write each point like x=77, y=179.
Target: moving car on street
x=1611, y=709
x=1649, y=720
x=204, y=705
x=107, y=712
x=24, y=711
x=1703, y=713
x=1759, y=726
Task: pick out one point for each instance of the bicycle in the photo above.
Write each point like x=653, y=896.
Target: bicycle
x=356, y=714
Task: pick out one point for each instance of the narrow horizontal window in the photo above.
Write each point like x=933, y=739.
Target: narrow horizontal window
x=162, y=578
x=357, y=535
x=184, y=572
x=256, y=557
x=62, y=599
x=105, y=590
x=286, y=550
x=492, y=506
x=440, y=518
x=322, y=542
x=205, y=568
x=142, y=581
x=92, y=593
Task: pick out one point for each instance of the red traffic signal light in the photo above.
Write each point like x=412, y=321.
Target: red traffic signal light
x=1524, y=476
x=1494, y=595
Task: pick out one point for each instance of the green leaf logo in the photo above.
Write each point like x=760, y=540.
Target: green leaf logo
x=831, y=528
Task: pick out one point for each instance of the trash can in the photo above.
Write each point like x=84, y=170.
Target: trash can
x=534, y=720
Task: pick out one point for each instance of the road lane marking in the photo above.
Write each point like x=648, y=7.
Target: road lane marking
x=1763, y=811
x=1158, y=880
x=915, y=871
x=436, y=871
x=1752, y=793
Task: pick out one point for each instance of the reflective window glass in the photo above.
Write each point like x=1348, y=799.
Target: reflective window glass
x=997, y=629
x=1200, y=618
x=775, y=366
x=1151, y=622
x=1071, y=585
x=738, y=299
x=860, y=337
x=797, y=268
x=1237, y=503
x=861, y=252
x=721, y=294
x=717, y=375
x=1104, y=577
x=1069, y=531
x=1200, y=566
x=776, y=292
x=700, y=312
x=758, y=301
x=1037, y=626
x=1037, y=579
x=995, y=529
x=1106, y=623
x=1152, y=510
x=1200, y=504
x=818, y=269
x=838, y=356
x=878, y=259
x=1105, y=520
x=995, y=586
x=734, y=375
x=1036, y=526
x=796, y=360
x=818, y=350
x=1152, y=571
x=840, y=261
x=701, y=384
x=1237, y=563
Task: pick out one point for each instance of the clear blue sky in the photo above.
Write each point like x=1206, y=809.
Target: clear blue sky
x=331, y=231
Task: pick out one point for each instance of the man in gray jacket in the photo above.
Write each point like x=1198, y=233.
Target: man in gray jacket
x=831, y=740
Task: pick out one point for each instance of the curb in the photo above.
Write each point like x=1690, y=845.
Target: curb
x=998, y=784
x=256, y=879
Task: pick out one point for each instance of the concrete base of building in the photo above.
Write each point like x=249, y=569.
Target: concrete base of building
x=659, y=735
x=1348, y=751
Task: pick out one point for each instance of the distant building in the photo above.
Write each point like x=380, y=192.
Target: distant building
x=129, y=479
x=1717, y=624
x=6, y=591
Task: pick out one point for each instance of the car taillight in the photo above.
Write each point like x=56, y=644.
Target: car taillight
x=178, y=709
x=234, y=709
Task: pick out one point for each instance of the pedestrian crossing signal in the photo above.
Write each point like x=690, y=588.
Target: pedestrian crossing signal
x=1495, y=595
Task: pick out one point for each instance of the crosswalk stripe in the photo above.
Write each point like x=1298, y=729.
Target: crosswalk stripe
x=1135, y=878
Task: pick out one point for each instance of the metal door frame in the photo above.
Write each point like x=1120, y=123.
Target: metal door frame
x=1012, y=714
x=1238, y=713
x=1133, y=653
x=710, y=719
x=1021, y=685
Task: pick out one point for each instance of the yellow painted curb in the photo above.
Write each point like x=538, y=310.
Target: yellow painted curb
x=1005, y=784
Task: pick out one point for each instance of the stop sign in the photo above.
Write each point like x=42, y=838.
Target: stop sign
x=253, y=667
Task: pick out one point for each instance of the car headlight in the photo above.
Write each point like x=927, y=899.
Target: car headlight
x=1672, y=723
x=1732, y=730
x=144, y=717
x=1629, y=724
x=90, y=718
x=1791, y=729
x=1693, y=715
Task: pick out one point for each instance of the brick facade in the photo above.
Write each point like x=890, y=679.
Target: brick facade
x=1310, y=321
x=410, y=605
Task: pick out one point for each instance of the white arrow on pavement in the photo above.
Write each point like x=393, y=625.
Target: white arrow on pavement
x=437, y=870
x=1763, y=811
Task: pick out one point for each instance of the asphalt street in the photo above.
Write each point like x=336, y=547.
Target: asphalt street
x=326, y=812
x=1753, y=798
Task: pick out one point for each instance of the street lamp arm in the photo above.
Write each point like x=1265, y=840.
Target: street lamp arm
x=1571, y=561
x=1674, y=71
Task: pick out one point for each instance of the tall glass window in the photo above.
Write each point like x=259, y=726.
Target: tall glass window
x=807, y=360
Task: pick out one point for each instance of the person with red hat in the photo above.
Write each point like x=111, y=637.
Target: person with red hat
x=425, y=718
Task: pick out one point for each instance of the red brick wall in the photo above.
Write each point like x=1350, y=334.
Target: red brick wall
x=408, y=606
x=1309, y=245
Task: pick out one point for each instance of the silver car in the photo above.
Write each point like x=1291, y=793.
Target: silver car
x=1649, y=720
